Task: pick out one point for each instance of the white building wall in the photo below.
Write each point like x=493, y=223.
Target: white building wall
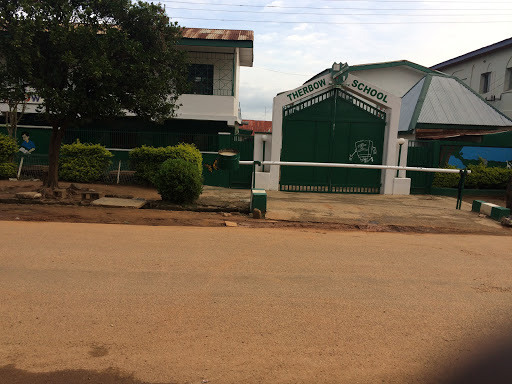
x=207, y=107
x=396, y=80
x=223, y=104
x=499, y=63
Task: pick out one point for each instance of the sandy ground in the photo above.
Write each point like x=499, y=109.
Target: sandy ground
x=86, y=303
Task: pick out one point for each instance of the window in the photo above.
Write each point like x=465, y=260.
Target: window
x=508, y=79
x=200, y=77
x=485, y=82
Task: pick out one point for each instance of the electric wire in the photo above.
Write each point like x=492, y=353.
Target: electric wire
x=338, y=14
x=330, y=8
x=345, y=23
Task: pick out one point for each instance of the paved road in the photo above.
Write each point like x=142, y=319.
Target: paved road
x=89, y=303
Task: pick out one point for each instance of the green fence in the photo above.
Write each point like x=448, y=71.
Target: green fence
x=436, y=154
x=120, y=142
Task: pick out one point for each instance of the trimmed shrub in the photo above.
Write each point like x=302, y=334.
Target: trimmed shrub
x=8, y=148
x=179, y=181
x=187, y=152
x=446, y=180
x=146, y=161
x=7, y=170
x=481, y=177
x=82, y=162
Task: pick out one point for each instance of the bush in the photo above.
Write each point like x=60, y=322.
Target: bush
x=7, y=170
x=187, y=152
x=481, y=177
x=83, y=163
x=8, y=148
x=146, y=161
x=179, y=181
x=446, y=180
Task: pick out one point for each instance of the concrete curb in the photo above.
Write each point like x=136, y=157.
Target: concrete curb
x=492, y=210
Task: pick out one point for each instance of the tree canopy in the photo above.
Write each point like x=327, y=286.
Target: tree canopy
x=16, y=34
x=93, y=59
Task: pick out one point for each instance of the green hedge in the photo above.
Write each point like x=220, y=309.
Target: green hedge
x=83, y=163
x=146, y=161
x=7, y=170
x=8, y=148
x=179, y=181
x=481, y=177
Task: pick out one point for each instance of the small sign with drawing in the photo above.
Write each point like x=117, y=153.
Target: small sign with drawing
x=364, y=150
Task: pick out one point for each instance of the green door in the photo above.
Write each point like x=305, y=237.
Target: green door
x=333, y=127
x=420, y=154
x=242, y=177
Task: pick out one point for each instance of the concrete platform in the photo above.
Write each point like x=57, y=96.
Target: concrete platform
x=407, y=211
x=119, y=203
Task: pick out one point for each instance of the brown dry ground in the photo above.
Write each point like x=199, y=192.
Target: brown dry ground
x=301, y=298
x=130, y=304
x=376, y=213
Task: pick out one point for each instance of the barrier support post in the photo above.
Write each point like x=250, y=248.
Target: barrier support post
x=463, y=174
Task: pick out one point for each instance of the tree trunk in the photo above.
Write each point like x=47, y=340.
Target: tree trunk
x=52, y=181
x=8, y=123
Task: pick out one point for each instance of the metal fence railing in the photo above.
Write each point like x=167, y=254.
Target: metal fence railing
x=129, y=139
x=35, y=167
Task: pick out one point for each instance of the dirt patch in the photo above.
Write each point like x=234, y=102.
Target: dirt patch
x=215, y=207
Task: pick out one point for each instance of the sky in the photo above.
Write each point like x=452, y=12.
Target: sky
x=296, y=39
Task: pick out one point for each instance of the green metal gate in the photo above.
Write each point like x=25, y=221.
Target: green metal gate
x=242, y=177
x=333, y=127
x=420, y=154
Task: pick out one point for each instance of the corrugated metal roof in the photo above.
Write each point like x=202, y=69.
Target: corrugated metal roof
x=409, y=102
x=258, y=126
x=447, y=101
x=217, y=34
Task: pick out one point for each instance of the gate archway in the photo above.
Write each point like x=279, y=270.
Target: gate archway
x=332, y=127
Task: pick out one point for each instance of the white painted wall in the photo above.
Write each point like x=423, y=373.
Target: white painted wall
x=396, y=80
x=258, y=149
x=207, y=107
x=497, y=62
x=213, y=107
x=262, y=179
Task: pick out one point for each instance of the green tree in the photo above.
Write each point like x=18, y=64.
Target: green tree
x=100, y=59
x=16, y=32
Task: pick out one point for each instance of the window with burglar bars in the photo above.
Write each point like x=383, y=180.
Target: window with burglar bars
x=200, y=77
x=211, y=73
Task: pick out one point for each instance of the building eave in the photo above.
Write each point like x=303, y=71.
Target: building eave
x=473, y=54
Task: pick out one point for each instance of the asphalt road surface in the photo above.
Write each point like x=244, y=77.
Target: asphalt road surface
x=91, y=303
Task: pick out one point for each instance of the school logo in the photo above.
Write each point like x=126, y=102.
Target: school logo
x=364, y=150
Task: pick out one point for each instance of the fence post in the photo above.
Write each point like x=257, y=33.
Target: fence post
x=118, y=171
x=21, y=166
x=463, y=174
